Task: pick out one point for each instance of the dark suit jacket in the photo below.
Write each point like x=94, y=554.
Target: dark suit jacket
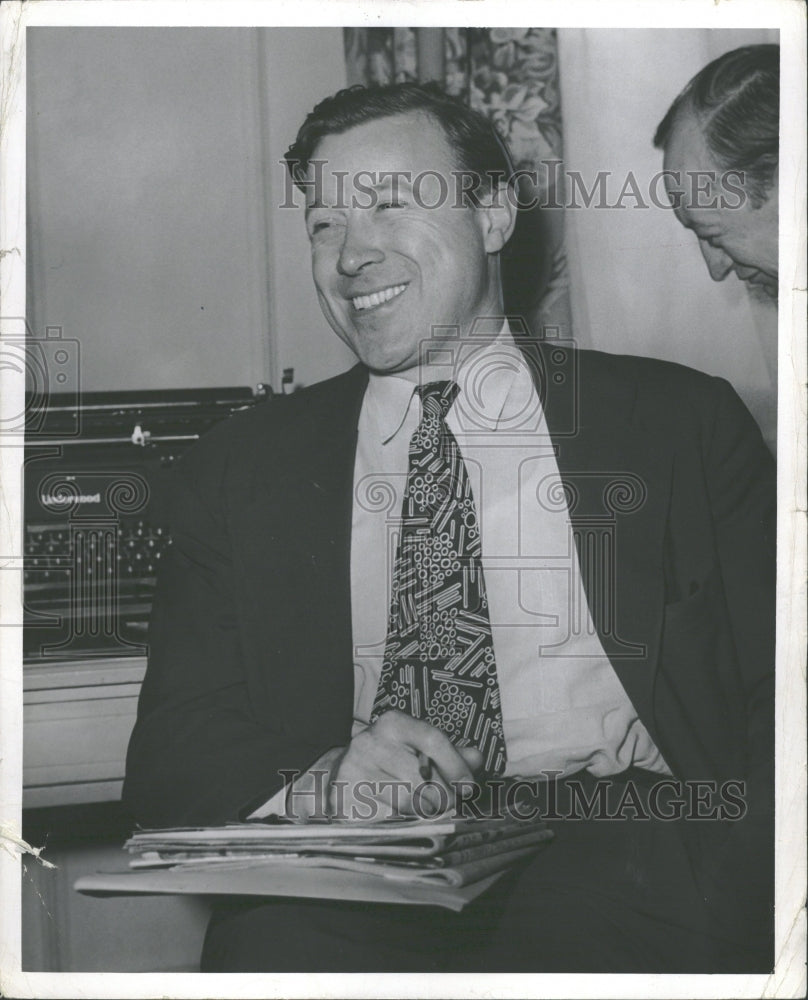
x=251, y=666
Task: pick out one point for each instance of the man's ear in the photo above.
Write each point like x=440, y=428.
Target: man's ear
x=498, y=216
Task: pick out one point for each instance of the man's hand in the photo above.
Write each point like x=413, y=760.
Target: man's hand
x=399, y=766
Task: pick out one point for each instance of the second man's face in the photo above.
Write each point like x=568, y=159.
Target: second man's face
x=393, y=254
x=740, y=238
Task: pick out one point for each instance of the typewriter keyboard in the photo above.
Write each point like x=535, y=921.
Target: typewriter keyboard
x=66, y=559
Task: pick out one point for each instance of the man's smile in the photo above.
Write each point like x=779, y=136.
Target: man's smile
x=378, y=298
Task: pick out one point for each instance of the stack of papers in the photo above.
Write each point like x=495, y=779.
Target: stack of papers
x=433, y=862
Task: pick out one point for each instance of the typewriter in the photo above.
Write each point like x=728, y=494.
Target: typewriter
x=95, y=475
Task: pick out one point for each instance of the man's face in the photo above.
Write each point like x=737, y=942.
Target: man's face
x=741, y=239
x=387, y=266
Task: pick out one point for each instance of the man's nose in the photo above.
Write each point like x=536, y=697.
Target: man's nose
x=359, y=248
x=719, y=264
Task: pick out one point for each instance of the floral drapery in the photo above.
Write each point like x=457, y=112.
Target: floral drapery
x=511, y=75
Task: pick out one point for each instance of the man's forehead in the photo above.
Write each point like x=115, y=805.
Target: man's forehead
x=692, y=177
x=686, y=148
x=403, y=143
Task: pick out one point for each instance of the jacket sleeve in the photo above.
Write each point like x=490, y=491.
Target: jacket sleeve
x=742, y=484
x=199, y=754
x=739, y=876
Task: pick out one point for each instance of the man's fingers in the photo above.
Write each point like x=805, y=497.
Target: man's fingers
x=421, y=737
x=473, y=757
x=410, y=754
x=392, y=774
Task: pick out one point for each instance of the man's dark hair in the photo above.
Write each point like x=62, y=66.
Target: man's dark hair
x=736, y=102
x=480, y=151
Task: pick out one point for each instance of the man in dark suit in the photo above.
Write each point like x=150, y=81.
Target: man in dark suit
x=612, y=520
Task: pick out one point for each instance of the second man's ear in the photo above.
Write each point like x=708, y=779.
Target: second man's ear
x=499, y=217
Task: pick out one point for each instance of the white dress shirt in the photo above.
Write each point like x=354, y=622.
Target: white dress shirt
x=563, y=707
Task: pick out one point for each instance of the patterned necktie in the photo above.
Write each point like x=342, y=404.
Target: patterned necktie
x=439, y=656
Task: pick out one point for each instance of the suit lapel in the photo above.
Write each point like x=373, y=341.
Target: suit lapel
x=324, y=461
x=309, y=485
x=617, y=480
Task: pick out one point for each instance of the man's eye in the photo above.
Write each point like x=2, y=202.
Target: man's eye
x=390, y=203
x=320, y=226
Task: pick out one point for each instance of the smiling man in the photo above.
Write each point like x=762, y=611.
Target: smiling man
x=405, y=255
x=724, y=128
x=475, y=557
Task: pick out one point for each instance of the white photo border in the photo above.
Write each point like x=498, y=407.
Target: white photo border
x=788, y=980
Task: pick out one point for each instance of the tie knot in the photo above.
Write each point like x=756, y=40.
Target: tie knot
x=437, y=397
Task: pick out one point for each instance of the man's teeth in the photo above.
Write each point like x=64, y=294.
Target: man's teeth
x=376, y=298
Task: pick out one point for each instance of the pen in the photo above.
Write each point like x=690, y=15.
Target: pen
x=425, y=766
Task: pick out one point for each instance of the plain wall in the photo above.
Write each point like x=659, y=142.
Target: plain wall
x=153, y=180
x=302, y=68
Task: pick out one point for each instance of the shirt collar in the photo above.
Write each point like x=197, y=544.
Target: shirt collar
x=495, y=384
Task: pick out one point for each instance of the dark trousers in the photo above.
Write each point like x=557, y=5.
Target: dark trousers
x=604, y=896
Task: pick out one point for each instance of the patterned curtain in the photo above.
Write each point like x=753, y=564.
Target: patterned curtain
x=511, y=75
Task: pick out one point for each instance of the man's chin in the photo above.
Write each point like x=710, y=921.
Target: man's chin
x=764, y=293
x=386, y=364
x=400, y=369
